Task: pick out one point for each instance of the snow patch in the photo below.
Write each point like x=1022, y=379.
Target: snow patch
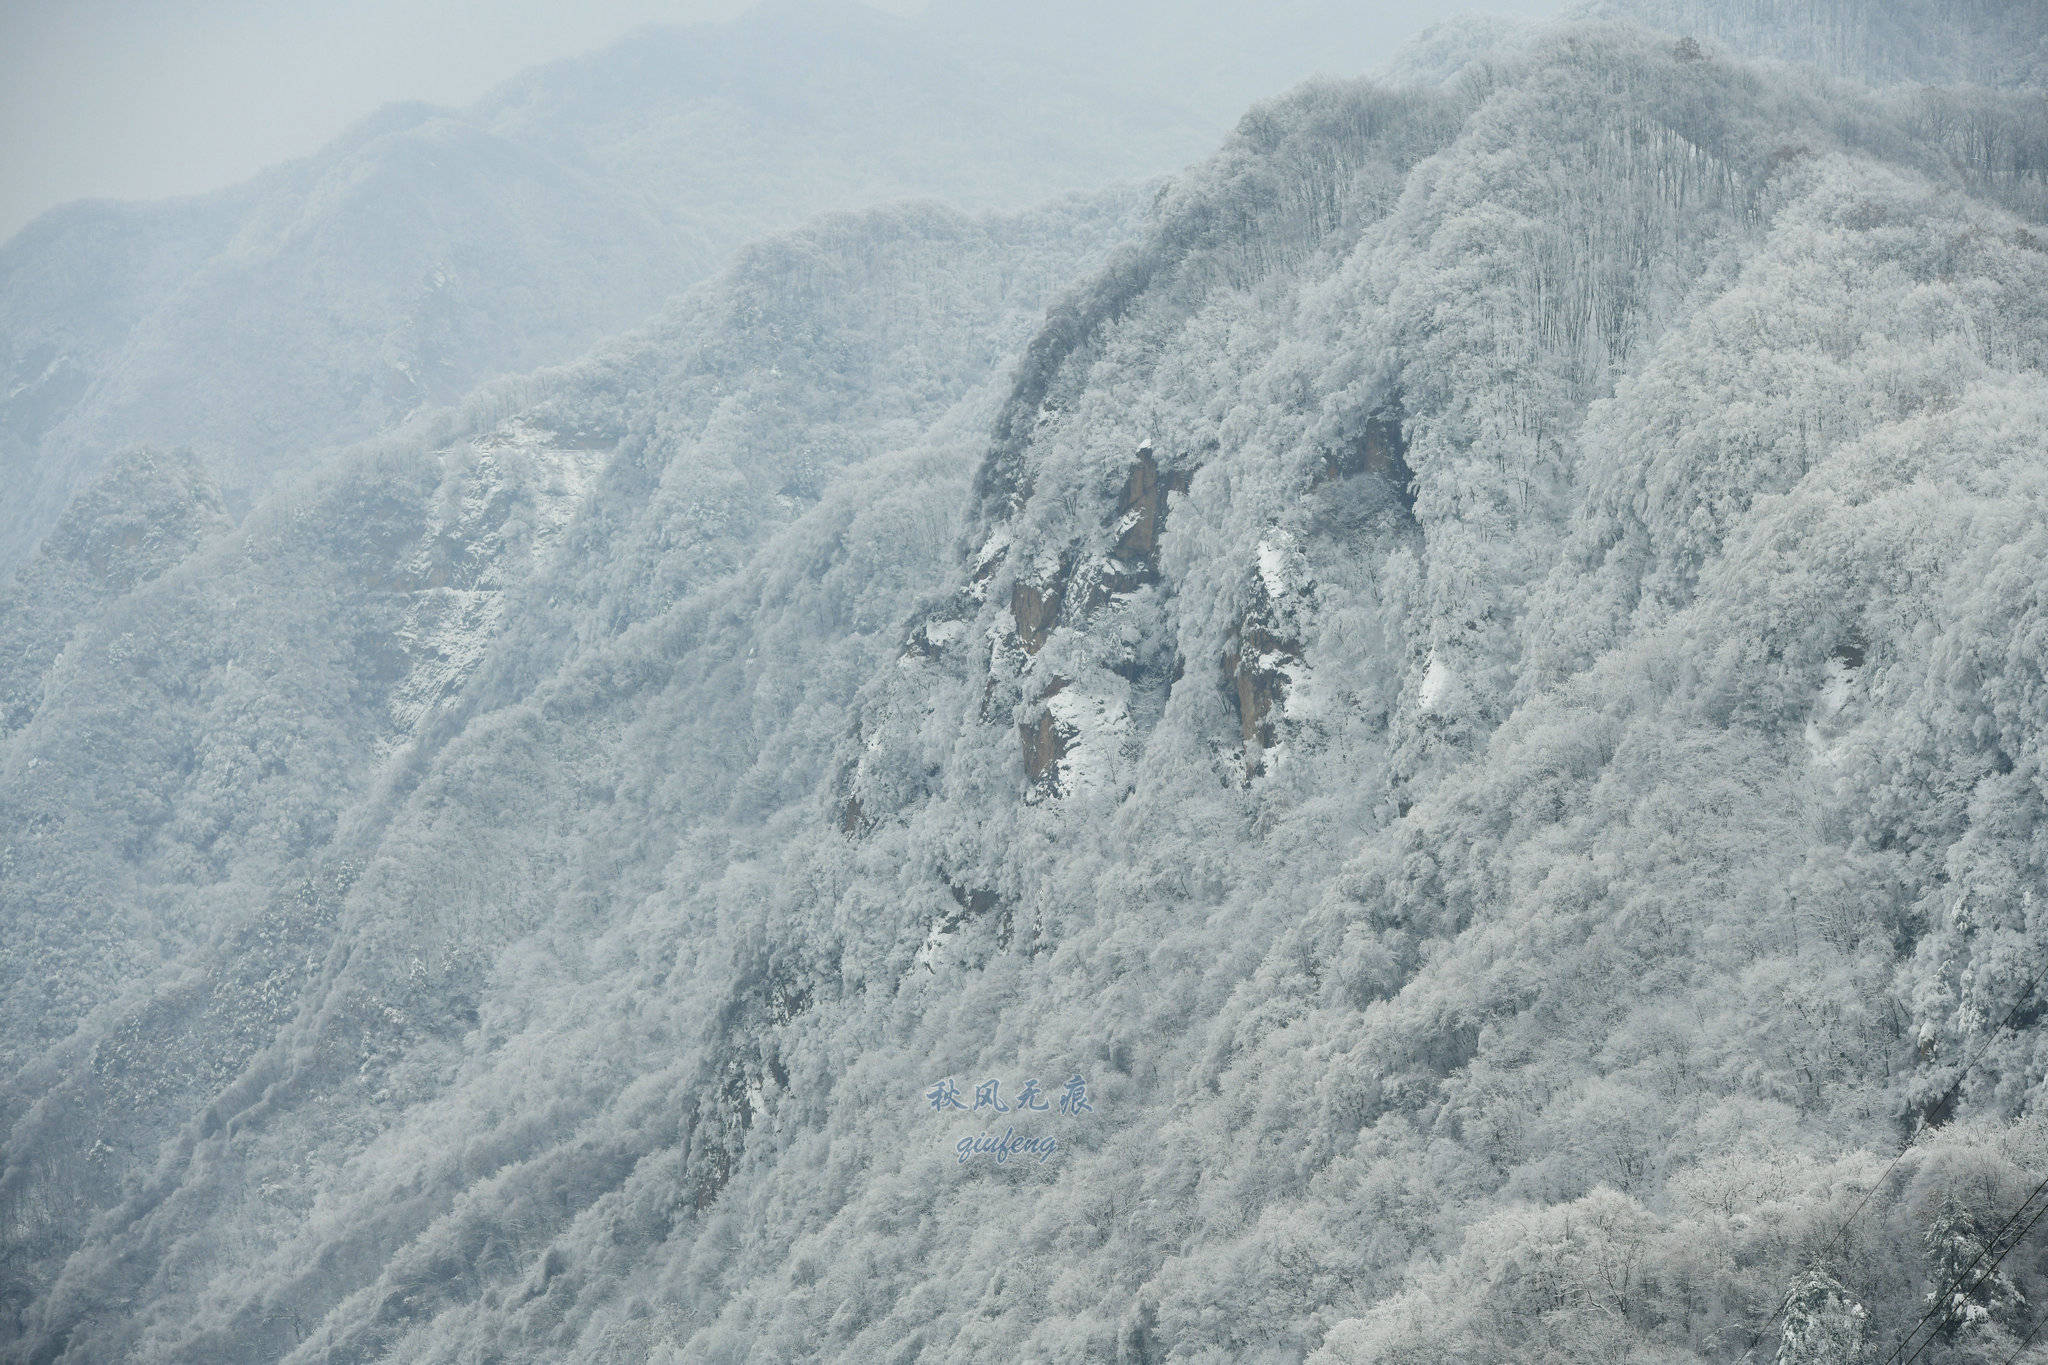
x=448, y=627
x=1829, y=723
x=1439, y=682
x=1282, y=569
x=992, y=552
x=936, y=937
x=1099, y=724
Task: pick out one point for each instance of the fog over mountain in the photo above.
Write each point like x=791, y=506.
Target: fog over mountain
x=1421, y=743
x=431, y=249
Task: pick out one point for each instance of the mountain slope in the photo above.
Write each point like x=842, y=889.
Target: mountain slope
x=1998, y=44
x=223, y=730
x=807, y=106
x=1478, y=688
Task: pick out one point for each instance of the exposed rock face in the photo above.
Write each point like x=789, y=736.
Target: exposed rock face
x=1138, y=512
x=1139, y=521
x=1385, y=452
x=1046, y=740
x=1088, y=581
x=851, y=821
x=977, y=923
x=1066, y=592
x=1378, y=452
x=1257, y=666
x=1263, y=658
x=1035, y=607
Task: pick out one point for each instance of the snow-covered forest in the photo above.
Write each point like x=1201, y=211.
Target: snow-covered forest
x=1423, y=744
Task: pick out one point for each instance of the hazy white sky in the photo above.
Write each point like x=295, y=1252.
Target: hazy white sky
x=145, y=98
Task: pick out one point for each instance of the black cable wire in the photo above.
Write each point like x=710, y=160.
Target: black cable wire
x=1842, y=1233
x=1988, y=1272
x=1941, y=1303
x=2026, y=1341
x=1938, y=1304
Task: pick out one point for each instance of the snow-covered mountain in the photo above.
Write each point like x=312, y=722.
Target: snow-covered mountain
x=318, y=305
x=431, y=249
x=1993, y=43
x=1466, y=713
x=1924, y=42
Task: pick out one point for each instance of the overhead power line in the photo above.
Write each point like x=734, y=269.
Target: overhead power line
x=1942, y=1309
x=1841, y=1234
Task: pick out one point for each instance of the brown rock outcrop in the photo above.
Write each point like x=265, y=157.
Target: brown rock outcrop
x=1256, y=660
x=1045, y=740
x=1035, y=608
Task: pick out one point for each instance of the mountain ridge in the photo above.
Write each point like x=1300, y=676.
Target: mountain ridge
x=454, y=275
x=1477, y=682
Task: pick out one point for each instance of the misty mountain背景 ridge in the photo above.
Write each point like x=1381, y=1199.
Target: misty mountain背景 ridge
x=1481, y=681
x=321, y=304
x=427, y=250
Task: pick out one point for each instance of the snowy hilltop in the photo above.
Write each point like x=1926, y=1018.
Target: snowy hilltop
x=1423, y=746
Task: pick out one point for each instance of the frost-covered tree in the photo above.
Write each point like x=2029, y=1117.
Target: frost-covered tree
x=1822, y=1323
x=1973, y=1298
